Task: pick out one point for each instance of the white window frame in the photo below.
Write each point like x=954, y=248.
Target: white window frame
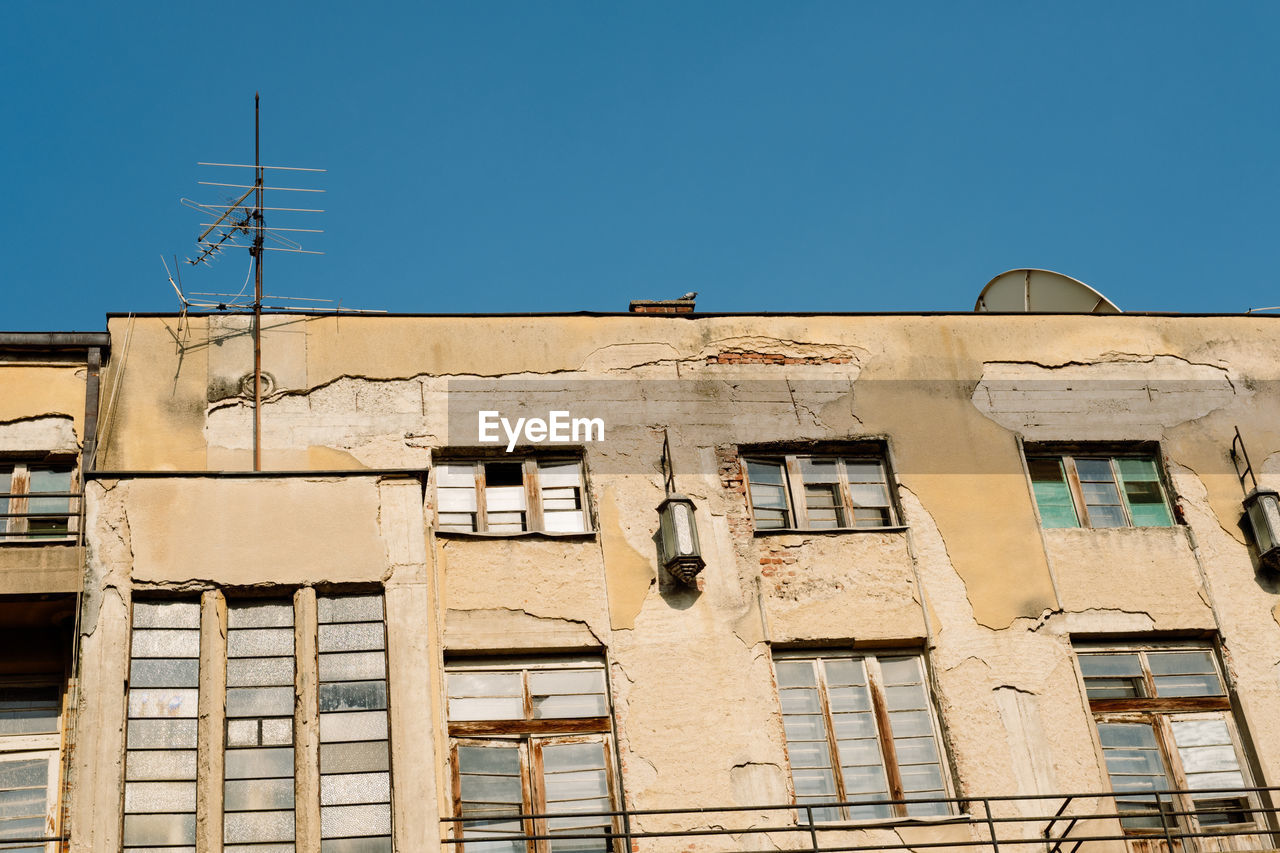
x=535, y=511
x=44, y=745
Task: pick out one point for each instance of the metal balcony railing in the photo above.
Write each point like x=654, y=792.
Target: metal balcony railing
x=39, y=516
x=1174, y=821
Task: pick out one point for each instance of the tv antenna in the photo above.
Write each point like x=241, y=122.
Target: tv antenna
x=241, y=224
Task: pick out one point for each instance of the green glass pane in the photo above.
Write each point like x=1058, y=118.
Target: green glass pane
x=1054, y=501
x=1150, y=515
x=1143, y=493
x=1137, y=470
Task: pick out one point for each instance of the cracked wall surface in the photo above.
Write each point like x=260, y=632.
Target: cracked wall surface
x=970, y=578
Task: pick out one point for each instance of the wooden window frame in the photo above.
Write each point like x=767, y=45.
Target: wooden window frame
x=884, y=733
x=14, y=525
x=793, y=488
x=1160, y=713
x=41, y=745
x=1067, y=455
x=535, y=517
x=530, y=735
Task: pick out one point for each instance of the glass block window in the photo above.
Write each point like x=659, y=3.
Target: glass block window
x=1097, y=490
x=1165, y=726
x=860, y=728
x=160, y=758
x=511, y=496
x=258, y=808
x=355, y=766
x=531, y=739
x=819, y=492
x=30, y=717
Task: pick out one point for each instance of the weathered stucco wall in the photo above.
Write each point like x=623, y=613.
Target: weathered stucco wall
x=972, y=579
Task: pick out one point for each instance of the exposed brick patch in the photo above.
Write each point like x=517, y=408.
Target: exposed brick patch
x=730, y=467
x=778, y=562
x=734, y=483
x=748, y=357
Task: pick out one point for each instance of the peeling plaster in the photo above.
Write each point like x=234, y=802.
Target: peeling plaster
x=43, y=433
x=1120, y=397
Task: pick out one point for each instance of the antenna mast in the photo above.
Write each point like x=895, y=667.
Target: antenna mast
x=256, y=253
x=230, y=224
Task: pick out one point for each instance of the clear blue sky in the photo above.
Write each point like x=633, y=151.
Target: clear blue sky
x=557, y=156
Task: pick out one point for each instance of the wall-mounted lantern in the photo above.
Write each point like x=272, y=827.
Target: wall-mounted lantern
x=678, y=548
x=1261, y=509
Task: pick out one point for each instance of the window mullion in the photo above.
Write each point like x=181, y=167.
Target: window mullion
x=875, y=684
x=530, y=779
x=1077, y=491
x=845, y=510
x=19, y=487
x=532, y=496
x=1120, y=491
x=482, y=506
x=796, y=493
x=1148, y=680
x=833, y=746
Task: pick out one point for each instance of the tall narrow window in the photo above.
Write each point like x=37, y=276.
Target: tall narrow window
x=1165, y=724
x=160, y=762
x=355, y=764
x=30, y=713
x=859, y=728
x=258, y=815
x=531, y=739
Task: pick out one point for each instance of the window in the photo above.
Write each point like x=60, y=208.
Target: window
x=30, y=735
x=36, y=502
x=263, y=675
x=1098, y=490
x=1165, y=723
x=859, y=728
x=531, y=739
x=258, y=790
x=819, y=492
x=511, y=496
x=355, y=749
x=160, y=737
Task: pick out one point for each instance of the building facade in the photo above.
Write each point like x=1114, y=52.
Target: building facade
x=961, y=572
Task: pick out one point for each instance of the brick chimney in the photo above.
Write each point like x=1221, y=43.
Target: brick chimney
x=683, y=305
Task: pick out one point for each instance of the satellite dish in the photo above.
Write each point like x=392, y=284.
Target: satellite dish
x=1024, y=290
